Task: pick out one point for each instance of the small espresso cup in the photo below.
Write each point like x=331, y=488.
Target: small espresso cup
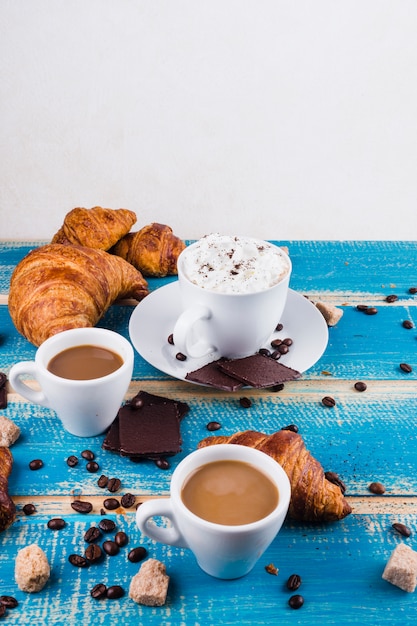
x=85, y=407
x=222, y=550
x=237, y=320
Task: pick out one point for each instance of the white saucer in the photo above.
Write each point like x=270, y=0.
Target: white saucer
x=154, y=318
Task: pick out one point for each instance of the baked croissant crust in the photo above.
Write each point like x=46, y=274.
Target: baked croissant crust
x=57, y=287
x=313, y=497
x=95, y=228
x=153, y=250
x=7, y=507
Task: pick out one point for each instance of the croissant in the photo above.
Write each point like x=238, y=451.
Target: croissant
x=95, y=228
x=153, y=250
x=7, y=507
x=57, y=287
x=313, y=497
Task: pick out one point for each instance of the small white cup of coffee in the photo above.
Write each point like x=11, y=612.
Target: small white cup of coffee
x=233, y=292
x=83, y=375
x=227, y=503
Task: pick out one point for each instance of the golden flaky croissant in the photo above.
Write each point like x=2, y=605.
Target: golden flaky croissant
x=7, y=507
x=153, y=250
x=313, y=497
x=95, y=228
x=57, y=287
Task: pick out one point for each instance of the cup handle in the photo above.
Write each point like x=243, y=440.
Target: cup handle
x=26, y=368
x=157, y=508
x=183, y=332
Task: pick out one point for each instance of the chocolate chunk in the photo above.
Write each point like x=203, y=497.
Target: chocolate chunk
x=112, y=441
x=259, y=371
x=211, y=375
x=151, y=431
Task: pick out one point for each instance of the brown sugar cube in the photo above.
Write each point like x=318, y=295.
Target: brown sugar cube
x=150, y=585
x=9, y=432
x=401, y=569
x=330, y=313
x=31, y=569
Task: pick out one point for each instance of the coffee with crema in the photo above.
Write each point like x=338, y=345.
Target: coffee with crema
x=85, y=362
x=229, y=493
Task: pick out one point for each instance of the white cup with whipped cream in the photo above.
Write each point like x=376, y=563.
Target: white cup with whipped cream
x=233, y=292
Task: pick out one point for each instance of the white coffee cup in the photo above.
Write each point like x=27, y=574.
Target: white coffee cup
x=228, y=324
x=86, y=408
x=222, y=551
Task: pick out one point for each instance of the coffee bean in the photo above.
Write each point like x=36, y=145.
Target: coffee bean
x=412, y=290
x=293, y=582
x=135, y=402
x=88, y=455
x=3, y=398
x=213, y=426
x=114, y=592
x=77, y=560
x=371, y=310
x=102, y=481
x=377, y=488
x=332, y=477
x=406, y=368
x=93, y=553
x=283, y=348
x=275, y=343
x=92, y=534
x=287, y=341
x=328, y=401
x=121, y=539
x=137, y=554
x=296, y=602
x=291, y=427
x=180, y=356
x=107, y=525
x=171, y=339
x=92, y=467
x=408, y=324
x=111, y=504
x=402, y=529
x=245, y=403
x=9, y=602
x=162, y=463
x=82, y=506
x=98, y=591
x=391, y=298
x=276, y=355
x=360, y=386
x=72, y=461
x=36, y=464
x=265, y=352
x=128, y=500
x=279, y=327
x=29, y=509
x=362, y=307
x=111, y=548
x=114, y=485
x=277, y=388
x=56, y=523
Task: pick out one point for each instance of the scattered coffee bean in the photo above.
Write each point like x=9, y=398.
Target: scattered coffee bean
x=275, y=343
x=36, y=464
x=77, y=560
x=360, y=386
x=29, y=509
x=276, y=355
x=296, y=602
x=328, y=401
x=128, y=500
x=391, y=298
x=162, y=463
x=102, y=481
x=171, y=339
x=114, y=485
x=362, y=307
x=121, y=539
x=265, y=352
x=277, y=388
x=377, y=488
x=408, y=324
x=92, y=467
x=111, y=548
x=137, y=554
x=114, y=592
x=93, y=553
x=279, y=327
x=3, y=398
x=405, y=367
x=245, y=402
x=292, y=427
x=56, y=523
x=213, y=426
x=81, y=506
x=283, y=348
x=92, y=534
x=107, y=525
x=287, y=341
x=402, y=529
x=180, y=356
x=412, y=290
x=371, y=310
x=88, y=455
x=111, y=504
x=72, y=460
x=293, y=582
x=9, y=602
x=136, y=402
x=98, y=591
x=332, y=477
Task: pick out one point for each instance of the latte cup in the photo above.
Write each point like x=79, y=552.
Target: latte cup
x=223, y=551
x=235, y=318
x=86, y=408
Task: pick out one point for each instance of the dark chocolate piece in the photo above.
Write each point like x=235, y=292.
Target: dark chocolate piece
x=211, y=375
x=112, y=440
x=144, y=398
x=259, y=371
x=150, y=431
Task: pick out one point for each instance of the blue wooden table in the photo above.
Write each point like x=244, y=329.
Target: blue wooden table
x=366, y=437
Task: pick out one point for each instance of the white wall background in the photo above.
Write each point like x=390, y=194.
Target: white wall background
x=282, y=119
